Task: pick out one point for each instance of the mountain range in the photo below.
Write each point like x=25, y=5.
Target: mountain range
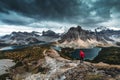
x=75, y=37
x=25, y=38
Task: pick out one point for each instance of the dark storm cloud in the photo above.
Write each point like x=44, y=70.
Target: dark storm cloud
x=85, y=12
x=14, y=22
x=43, y=8
x=103, y=7
x=14, y=18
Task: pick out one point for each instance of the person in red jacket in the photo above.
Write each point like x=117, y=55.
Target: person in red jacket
x=82, y=56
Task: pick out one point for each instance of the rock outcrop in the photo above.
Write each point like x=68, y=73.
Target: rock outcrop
x=90, y=71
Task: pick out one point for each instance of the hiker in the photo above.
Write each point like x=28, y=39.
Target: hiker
x=82, y=55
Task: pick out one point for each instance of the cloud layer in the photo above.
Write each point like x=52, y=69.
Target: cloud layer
x=57, y=13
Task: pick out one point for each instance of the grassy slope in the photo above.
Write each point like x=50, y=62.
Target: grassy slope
x=109, y=55
x=29, y=53
x=66, y=53
x=22, y=57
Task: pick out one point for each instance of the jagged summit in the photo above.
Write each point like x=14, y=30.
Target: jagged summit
x=74, y=37
x=25, y=38
x=50, y=33
x=78, y=37
x=75, y=33
x=101, y=28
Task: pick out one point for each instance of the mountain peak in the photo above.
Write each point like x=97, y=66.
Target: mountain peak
x=78, y=28
x=78, y=37
x=101, y=28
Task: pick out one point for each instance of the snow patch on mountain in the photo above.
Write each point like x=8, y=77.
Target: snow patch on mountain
x=101, y=28
x=115, y=38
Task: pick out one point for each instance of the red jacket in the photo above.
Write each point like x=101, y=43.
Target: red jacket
x=82, y=54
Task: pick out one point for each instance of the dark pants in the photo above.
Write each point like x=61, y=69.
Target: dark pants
x=81, y=59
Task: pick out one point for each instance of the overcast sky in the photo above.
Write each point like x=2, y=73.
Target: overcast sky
x=38, y=15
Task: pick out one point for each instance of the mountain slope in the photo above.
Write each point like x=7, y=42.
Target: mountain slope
x=25, y=38
x=77, y=37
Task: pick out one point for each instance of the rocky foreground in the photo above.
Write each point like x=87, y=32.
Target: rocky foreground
x=62, y=69
x=90, y=71
x=53, y=67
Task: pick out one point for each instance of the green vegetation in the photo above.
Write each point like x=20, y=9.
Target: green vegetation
x=94, y=77
x=29, y=53
x=109, y=55
x=66, y=53
x=26, y=60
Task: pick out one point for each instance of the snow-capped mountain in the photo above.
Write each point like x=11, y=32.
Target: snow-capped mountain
x=109, y=34
x=115, y=38
x=21, y=38
x=24, y=38
x=77, y=37
x=101, y=28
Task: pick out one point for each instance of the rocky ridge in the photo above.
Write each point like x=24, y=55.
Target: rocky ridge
x=76, y=37
x=51, y=66
x=63, y=69
x=25, y=38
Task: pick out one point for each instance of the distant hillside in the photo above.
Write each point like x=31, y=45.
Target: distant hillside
x=109, y=55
